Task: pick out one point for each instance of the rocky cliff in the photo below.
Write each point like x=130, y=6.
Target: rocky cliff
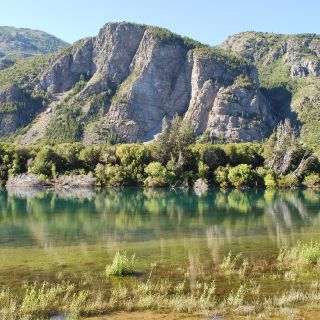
x=300, y=53
x=289, y=70
x=125, y=81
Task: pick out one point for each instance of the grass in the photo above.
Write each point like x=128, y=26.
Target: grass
x=41, y=301
x=301, y=255
x=261, y=291
x=236, y=265
x=121, y=265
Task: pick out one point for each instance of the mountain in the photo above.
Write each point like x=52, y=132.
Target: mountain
x=20, y=43
x=122, y=84
x=125, y=81
x=289, y=72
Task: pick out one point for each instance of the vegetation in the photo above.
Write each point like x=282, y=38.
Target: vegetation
x=19, y=42
x=24, y=71
x=301, y=255
x=174, y=159
x=121, y=265
x=165, y=36
x=221, y=56
x=246, y=287
x=66, y=125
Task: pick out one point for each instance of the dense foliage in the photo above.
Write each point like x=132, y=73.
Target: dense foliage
x=174, y=159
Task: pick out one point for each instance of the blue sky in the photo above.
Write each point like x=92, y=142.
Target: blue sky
x=208, y=21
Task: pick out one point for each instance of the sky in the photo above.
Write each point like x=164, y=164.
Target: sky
x=210, y=22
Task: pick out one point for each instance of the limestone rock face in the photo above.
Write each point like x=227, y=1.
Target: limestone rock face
x=65, y=72
x=130, y=77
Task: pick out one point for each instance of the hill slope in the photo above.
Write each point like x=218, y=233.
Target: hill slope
x=20, y=43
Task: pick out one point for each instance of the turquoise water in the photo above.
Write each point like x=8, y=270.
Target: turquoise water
x=46, y=232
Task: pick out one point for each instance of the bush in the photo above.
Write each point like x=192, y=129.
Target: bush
x=203, y=170
x=121, y=265
x=289, y=181
x=90, y=157
x=133, y=159
x=157, y=175
x=307, y=254
x=242, y=176
x=221, y=177
x=116, y=176
x=312, y=180
x=43, y=162
x=270, y=181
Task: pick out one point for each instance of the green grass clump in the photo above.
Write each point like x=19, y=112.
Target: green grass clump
x=302, y=254
x=234, y=265
x=121, y=265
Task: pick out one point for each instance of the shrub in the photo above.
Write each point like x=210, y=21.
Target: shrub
x=312, y=180
x=270, y=181
x=133, y=159
x=121, y=265
x=116, y=175
x=43, y=162
x=157, y=175
x=307, y=254
x=203, y=170
x=289, y=181
x=90, y=156
x=221, y=176
x=242, y=176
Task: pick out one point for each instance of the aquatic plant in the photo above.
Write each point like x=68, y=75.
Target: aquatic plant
x=237, y=264
x=121, y=265
x=302, y=254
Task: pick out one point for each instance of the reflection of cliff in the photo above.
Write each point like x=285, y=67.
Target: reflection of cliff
x=50, y=218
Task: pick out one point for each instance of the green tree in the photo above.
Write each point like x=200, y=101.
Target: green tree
x=173, y=141
x=44, y=160
x=90, y=157
x=157, y=175
x=221, y=176
x=242, y=176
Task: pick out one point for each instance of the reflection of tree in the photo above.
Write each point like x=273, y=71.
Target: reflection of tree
x=50, y=218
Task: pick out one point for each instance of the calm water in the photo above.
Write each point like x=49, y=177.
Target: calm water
x=46, y=232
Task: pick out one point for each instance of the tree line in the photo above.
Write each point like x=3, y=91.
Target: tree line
x=174, y=159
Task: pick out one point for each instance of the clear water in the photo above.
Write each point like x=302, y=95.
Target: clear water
x=46, y=232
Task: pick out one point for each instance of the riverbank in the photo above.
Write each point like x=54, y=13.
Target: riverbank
x=281, y=287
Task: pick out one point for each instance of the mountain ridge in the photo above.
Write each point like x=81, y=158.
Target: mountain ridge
x=130, y=77
x=18, y=43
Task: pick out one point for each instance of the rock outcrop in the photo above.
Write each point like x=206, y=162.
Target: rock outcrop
x=300, y=53
x=140, y=75
x=289, y=70
x=130, y=77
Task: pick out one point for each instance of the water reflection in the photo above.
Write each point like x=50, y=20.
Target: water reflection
x=44, y=217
